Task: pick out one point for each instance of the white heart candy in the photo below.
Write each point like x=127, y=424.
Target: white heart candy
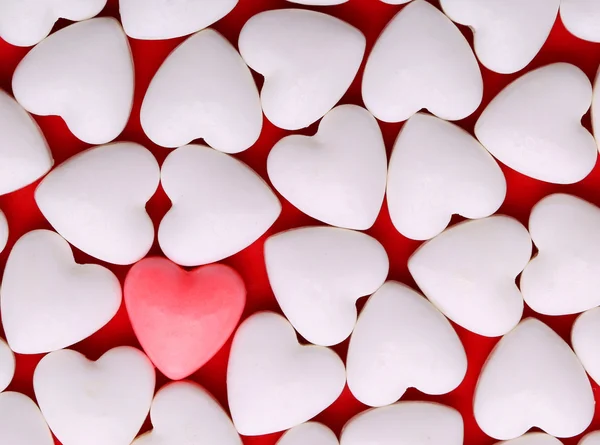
x=469, y=271
x=185, y=413
x=337, y=176
x=533, y=379
x=581, y=18
x=7, y=367
x=564, y=277
x=534, y=125
x=220, y=206
x=405, y=423
x=592, y=438
x=318, y=273
x=166, y=19
x=584, y=338
x=421, y=60
x=312, y=433
x=190, y=99
x=436, y=170
x=96, y=200
x=48, y=301
x=21, y=422
x=273, y=383
x=24, y=153
x=308, y=60
x=533, y=439
x=95, y=403
x=26, y=22
x=507, y=34
x=83, y=73
x=402, y=341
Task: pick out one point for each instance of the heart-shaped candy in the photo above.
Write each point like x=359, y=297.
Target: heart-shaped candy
x=402, y=341
x=414, y=423
x=584, y=338
x=308, y=60
x=182, y=318
x=437, y=169
x=95, y=403
x=507, y=35
x=564, y=277
x=395, y=2
x=468, y=272
x=318, y=273
x=21, y=422
x=533, y=379
x=220, y=206
x=83, y=73
x=24, y=153
x=534, y=125
x=592, y=438
x=337, y=176
x=97, y=201
x=7, y=366
x=185, y=413
x=166, y=19
x=533, y=439
x=312, y=433
x=273, y=383
x=581, y=18
x=26, y=22
x=190, y=99
x=421, y=60
x=48, y=301
x=595, y=108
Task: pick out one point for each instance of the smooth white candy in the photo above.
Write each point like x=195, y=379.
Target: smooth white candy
x=24, y=152
x=27, y=22
x=436, y=170
x=308, y=60
x=95, y=403
x=82, y=73
x=21, y=422
x=220, y=206
x=595, y=108
x=581, y=18
x=468, y=272
x=564, y=277
x=309, y=433
x=410, y=423
x=401, y=341
x=318, y=273
x=507, y=35
x=48, y=301
x=97, y=201
x=421, y=60
x=533, y=439
x=337, y=176
x=7, y=367
x=584, y=338
x=533, y=379
x=189, y=98
x=185, y=413
x=592, y=438
x=534, y=125
x=166, y=19
x=273, y=383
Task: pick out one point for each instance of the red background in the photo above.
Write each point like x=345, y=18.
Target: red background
x=370, y=16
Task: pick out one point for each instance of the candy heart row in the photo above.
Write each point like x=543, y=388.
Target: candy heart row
x=267, y=368
x=298, y=90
